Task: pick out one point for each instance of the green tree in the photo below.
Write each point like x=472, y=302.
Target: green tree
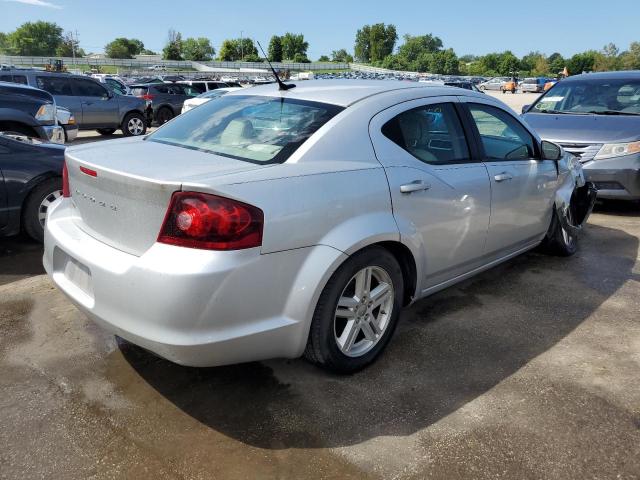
x=197, y=49
x=294, y=44
x=324, y=58
x=529, y=61
x=173, y=48
x=300, y=58
x=123, y=48
x=34, y=38
x=275, y=49
x=341, y=56
x=607, y=59
x=67, y=46
x=4, y=43
x=233, y=50
x=556, y=63
x=630, y=60
x=582, y=62
x=375, y=42
x=541, y=68
x=414, y=46
x=509, y=64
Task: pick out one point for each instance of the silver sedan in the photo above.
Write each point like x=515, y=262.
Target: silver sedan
x=287, y=222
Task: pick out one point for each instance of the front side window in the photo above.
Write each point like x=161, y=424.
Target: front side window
x=503, y=137
x=88, y=88
x=54, y=85
x=432, y=134
x=251, y=128
x=20, y=79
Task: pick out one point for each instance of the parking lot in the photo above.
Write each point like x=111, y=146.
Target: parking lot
x=529, y=370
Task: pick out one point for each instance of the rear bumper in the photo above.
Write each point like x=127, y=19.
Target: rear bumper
x=193, y=307
x=615, y=178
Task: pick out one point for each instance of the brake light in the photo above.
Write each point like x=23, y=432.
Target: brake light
x=147, y=96
x=209, y=222
x=66, y=192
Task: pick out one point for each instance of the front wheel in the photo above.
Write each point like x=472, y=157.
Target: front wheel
x=133, y=125
x=357, y=312
x=558, y=240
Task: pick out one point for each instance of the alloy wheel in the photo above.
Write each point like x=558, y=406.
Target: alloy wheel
x=364, y=311
x=45, y=204
x=135, y=126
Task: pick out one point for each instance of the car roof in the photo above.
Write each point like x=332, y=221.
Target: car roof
x=618, y=75
x=343, y=92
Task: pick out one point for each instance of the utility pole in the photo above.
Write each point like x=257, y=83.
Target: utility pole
x=241, y=47
x=73, y=46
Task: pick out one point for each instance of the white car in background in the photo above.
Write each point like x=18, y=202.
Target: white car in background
x=206, y=96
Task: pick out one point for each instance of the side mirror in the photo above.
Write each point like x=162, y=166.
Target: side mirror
x=525, y=108
x=551, y=151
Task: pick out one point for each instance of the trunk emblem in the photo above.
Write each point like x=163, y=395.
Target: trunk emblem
x=88, y=171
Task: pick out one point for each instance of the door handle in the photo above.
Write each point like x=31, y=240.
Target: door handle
x=415, y=186
x=501, y=177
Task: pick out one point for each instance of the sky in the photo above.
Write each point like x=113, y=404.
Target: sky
x=469, y=27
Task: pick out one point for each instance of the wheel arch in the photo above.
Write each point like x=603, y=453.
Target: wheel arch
x=28, y=189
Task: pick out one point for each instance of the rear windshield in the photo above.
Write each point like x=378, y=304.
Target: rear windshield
x=251, y=128
x=530, y=81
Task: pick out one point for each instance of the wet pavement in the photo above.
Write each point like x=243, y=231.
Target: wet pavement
x=530, y=370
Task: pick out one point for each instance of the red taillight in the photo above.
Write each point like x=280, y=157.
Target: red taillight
x=200, y=220
x=65, y=181
x=146, y=96
x=88, y=171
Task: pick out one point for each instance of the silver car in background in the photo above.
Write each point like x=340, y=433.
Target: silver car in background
x=276, y=223
x=206, y=96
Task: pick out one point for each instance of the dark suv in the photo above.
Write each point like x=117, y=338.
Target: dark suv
x=165, y=99
x=29, y=111
x=93, y=106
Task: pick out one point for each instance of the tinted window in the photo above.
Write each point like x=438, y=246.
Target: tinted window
x=20, y=79
x=88, y=88
x=503, y=137
x=55, y=85
x=252, y=128
x=432, y=134
x=139, y=91
x=6, y=78
x=199, y=86
x=161, y=88
x=116, y=86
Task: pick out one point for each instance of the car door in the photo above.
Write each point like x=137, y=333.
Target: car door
x=60, y=88
x=4, y=212
x=99, y=106
x=439, y=189
x=522, y=185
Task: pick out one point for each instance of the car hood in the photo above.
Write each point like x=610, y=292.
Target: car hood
x=566, y=128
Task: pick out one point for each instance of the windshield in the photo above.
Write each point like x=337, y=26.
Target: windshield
x=591, y=96
x=251, y=128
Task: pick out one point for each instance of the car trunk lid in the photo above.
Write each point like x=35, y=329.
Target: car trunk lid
x=121, y=189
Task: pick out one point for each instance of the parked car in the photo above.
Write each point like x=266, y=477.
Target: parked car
x=93, y=106
x=114, y=83
x=493, y=83
x=596, y=117
x=30, y=181
x=68, y=122
x=165, y=100
x=204, y=85
x=29, y=111
x=463, y=84
x=535, y=85
x=205, y=97
x=272, y=223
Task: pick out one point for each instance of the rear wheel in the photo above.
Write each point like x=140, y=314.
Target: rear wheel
x=558, y=240
x=106, y=131
x=37, y=206
x=357, y=312
x=164, y=115
x=134, y=124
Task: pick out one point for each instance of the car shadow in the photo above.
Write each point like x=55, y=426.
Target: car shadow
x=20, y=257
x=449, y=349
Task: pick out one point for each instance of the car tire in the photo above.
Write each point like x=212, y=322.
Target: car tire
x=348, y=340
x=482, y=88
x=106, y=131
x=134, y=125
x=37, y=204
x=558, y=241
x=164, y=115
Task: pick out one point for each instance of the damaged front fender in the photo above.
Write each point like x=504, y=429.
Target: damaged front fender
x=575, y=197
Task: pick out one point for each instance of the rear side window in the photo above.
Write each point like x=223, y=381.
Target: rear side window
x=139, y=91
x=503, y=137
x=55, y=85
x=251, y=128
x=20, y=79
x=432, y=134
x=200, y=87
x=88, y=88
